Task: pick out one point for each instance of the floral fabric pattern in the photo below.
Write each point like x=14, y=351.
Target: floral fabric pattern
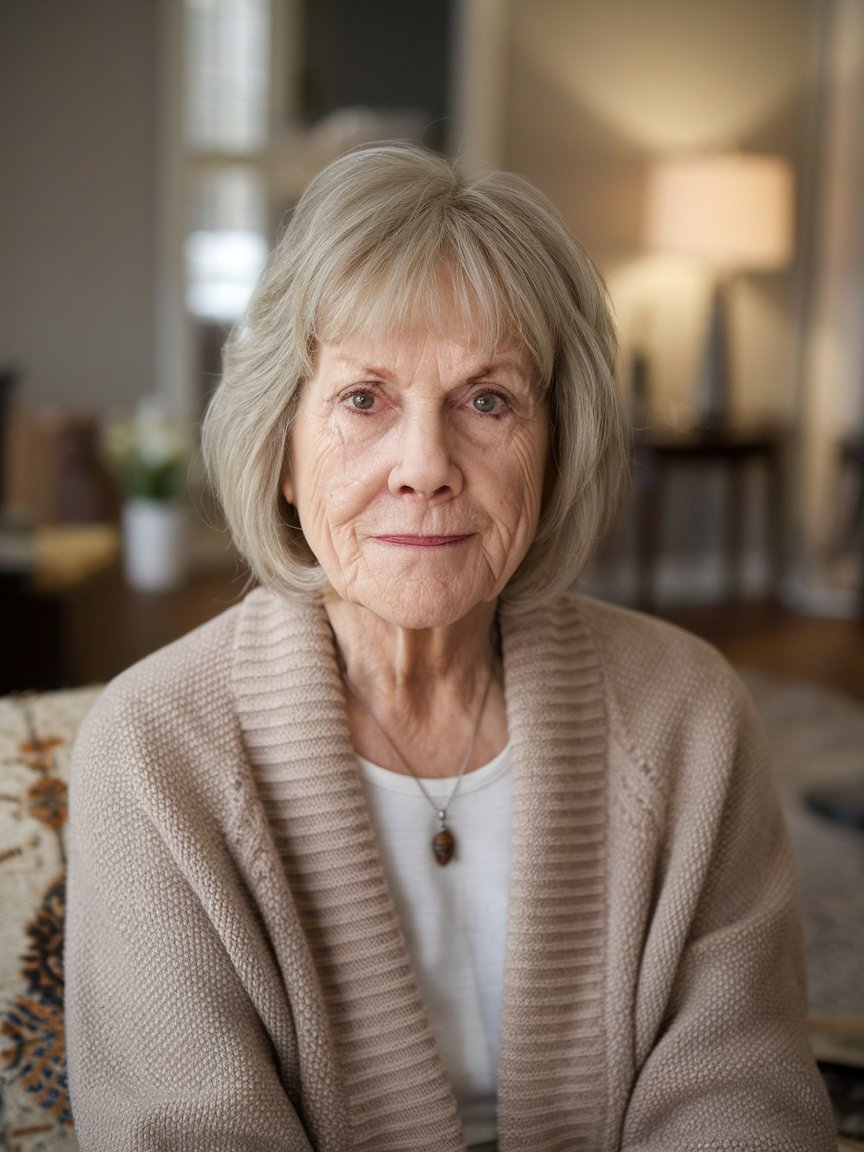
x=35, y=736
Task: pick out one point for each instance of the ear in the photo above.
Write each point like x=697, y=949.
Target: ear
x=286, y=484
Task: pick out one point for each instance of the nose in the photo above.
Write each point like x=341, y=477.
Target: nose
x=425, y=465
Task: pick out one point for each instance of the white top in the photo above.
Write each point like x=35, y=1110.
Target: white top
x=454, y=917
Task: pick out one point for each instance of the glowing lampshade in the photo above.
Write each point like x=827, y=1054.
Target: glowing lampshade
x=732, y=209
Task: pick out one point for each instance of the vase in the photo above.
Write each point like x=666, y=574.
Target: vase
x=154, y=544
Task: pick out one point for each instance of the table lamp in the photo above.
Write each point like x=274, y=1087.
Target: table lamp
x=734, y=211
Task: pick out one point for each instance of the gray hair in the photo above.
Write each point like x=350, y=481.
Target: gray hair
x=372, y=223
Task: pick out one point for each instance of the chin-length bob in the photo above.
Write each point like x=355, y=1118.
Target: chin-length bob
x=389, y=237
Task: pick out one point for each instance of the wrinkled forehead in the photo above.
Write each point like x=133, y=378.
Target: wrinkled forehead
x=437, y=300
x=403, y=355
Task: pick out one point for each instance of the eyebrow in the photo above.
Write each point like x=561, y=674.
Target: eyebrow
x=503, y=361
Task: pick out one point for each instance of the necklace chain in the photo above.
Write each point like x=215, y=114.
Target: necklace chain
x=443, y=843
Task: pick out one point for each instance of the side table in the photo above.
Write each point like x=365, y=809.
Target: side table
x=41, y=569
x=658, y=455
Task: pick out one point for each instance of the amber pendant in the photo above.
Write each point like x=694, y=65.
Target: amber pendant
x=443, y=846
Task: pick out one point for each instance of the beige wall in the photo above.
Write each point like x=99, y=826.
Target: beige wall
x=598, y=88
x=77, y=199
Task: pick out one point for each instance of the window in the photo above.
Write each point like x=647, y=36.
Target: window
x=227, y=129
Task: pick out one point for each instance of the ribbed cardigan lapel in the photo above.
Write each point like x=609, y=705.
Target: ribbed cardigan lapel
x=292, y=711
x=552, y=1069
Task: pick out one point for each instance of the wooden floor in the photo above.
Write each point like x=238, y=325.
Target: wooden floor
x=783, y=643
x=110, y=626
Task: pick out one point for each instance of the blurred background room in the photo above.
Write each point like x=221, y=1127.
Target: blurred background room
x=152, y=151
x=708, y=153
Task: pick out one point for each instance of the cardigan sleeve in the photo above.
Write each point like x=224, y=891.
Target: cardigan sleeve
x=725, y=1063
x=166, y=1045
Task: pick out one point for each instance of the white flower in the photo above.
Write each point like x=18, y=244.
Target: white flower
x=150, y=452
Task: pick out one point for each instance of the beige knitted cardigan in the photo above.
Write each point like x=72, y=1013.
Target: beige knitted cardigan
x=236, y=974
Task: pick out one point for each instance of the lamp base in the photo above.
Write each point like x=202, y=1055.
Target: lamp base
x=713, y=388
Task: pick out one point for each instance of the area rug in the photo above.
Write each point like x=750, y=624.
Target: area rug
x=817, y=737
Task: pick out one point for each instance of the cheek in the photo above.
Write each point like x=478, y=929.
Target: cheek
x=329, y=488
x=305, y=484
x=525, y=488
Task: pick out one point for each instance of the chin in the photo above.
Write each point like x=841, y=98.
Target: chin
x=418, y=619
x=423, y=612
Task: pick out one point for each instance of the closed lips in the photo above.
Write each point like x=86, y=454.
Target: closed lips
x=422, y=541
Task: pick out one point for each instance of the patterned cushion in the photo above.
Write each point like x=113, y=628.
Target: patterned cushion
x=36, y=732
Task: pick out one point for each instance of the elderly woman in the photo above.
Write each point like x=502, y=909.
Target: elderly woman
x=411, y=849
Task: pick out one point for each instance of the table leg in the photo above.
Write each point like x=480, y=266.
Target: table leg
x=649, y=532
x=775, y=529
x=735, y=493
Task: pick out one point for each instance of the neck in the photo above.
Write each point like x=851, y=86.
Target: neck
x=421, y=692
x=383, y=659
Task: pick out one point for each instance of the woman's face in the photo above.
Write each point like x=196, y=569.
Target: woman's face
x=416, y=466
